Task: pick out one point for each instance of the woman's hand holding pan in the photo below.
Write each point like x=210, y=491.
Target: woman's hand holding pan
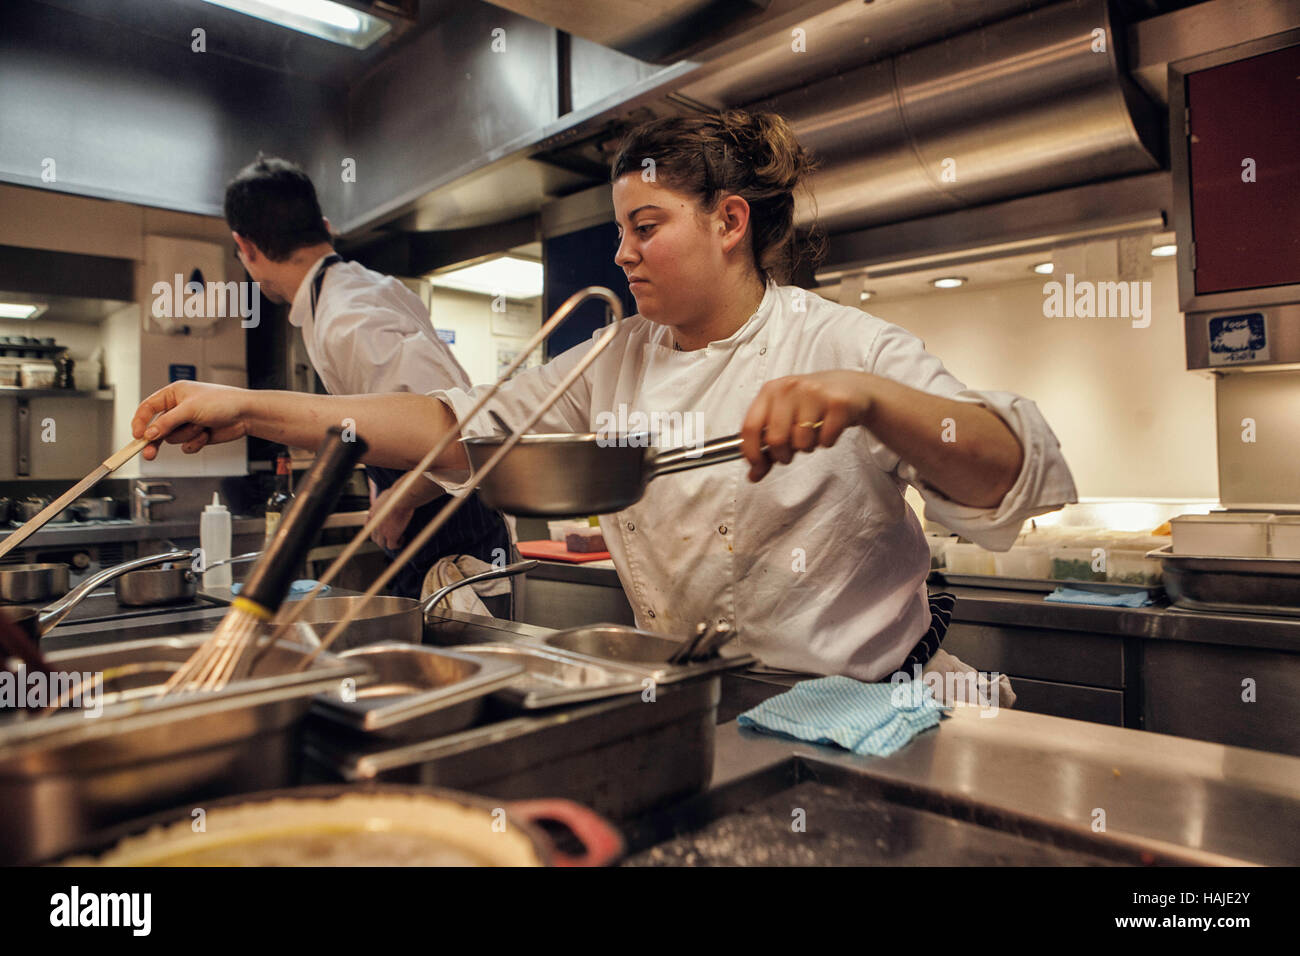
x=800, y=413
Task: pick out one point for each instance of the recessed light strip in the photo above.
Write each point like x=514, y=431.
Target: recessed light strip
x=319, y=18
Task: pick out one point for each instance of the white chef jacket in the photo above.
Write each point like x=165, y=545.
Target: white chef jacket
x=821, y=566
x=371, y=334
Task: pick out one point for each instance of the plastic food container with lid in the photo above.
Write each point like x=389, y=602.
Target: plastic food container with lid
x=1284, y=537
x=963, y=558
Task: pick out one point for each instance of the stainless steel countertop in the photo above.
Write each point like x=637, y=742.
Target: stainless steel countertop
x=1204, y=802
x=1200, y=802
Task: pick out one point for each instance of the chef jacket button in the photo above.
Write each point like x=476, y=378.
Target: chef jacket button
x=631, y=526
x=722, y=529
x=649, y=612
x=763, y=350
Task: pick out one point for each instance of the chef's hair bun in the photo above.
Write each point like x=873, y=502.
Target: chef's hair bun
x=752, y=155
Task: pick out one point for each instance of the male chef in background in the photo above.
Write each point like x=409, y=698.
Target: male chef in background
x=365, y=333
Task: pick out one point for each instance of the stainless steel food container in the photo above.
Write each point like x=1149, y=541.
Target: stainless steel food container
x=418, y=691
x=622, y=757
x=551, y=678
x=65, y=776
x=1232, y=585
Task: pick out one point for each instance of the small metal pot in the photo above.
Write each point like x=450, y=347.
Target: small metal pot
x=94, y=509
x=150, y=586
x=24, y=583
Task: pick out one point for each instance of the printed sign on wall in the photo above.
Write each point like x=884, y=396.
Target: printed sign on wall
x=1238, y=339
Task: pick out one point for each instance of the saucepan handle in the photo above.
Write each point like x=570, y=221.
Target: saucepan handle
x=709, y=453
x=602, y=843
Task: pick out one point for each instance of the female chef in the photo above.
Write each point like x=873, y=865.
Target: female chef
x=819, y=564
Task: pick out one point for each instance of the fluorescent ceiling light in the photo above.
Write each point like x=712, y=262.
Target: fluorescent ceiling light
x=1044, y=268
x=19, y=310
x=948, y=282
x=319, y=18
x=1163, y=251
x=510, y=276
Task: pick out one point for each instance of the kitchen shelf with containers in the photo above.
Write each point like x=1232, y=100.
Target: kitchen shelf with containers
x=1222, y=562
x=1045, y=558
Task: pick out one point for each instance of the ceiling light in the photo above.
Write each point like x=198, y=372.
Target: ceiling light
x=319, y=18
x=948, y=282
x=510, y=276
x=1163, y=251
x=865, y=295
x=19, y=310
x=1044, y=268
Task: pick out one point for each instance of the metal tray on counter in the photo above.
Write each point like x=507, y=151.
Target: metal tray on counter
x=1267, y=586
x=551, y=678
x=418, y=691
x=621, y=756
x=644, y=652
x=66, y=775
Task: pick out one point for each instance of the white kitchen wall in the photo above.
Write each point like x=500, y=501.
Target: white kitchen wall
x=136, y=361
x=470, y=317
x=1132, y=421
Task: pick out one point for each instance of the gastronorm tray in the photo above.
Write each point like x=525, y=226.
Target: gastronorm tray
x=67, y=775
x=1043, y=585
x=418, y=691
x=642, y=651
x=621, y=756
x=1269, y=586
x=551, y=678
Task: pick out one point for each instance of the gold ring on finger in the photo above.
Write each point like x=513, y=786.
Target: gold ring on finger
x=817, y=424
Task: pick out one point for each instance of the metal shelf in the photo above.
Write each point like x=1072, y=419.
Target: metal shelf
x=11, y=391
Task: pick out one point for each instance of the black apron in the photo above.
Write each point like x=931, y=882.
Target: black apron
x=474, y=529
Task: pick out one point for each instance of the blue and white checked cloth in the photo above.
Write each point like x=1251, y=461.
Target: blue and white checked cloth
x=870, y=719
x=1137, y=598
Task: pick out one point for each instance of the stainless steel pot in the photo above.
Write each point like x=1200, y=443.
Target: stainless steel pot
x=24, y=583
x=94, y=509
x=569, y=475
x=150, y=586
x=386, y=618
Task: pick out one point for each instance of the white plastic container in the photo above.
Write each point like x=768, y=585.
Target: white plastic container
x=968, y=559
x=1222, y=535
x=1284, y=537
x=559, y=530
x=1132, y=567
x=214, y=539
x=1022, y=561
x=1074, y=564
x=938, y=545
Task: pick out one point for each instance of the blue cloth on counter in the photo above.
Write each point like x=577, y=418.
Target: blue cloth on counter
x=1135, y=598
x=299, y=587
x=870, y=719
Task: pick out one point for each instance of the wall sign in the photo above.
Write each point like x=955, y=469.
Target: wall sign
x=447, y=335
x=1238, y=339
x=182, y=373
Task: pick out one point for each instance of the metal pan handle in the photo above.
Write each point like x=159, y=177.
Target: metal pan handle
x=683, y=459
x=429, y=603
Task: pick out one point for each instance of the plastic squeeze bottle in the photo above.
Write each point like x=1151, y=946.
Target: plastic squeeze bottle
x=214, y=539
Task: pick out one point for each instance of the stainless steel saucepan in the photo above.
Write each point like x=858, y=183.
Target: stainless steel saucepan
x=571, y=474
x=38, y=621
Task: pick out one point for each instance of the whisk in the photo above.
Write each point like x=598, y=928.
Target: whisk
x=226, y=656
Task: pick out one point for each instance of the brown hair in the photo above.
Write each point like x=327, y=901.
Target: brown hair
x=752, y=155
